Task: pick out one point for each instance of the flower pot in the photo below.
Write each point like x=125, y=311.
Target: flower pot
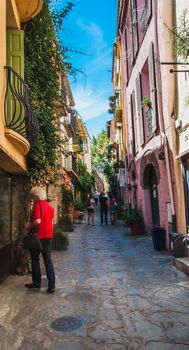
x=135, y=229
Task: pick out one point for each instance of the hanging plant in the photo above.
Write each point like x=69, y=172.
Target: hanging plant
x=146, y=102
x=116, y=144
x=179, y=36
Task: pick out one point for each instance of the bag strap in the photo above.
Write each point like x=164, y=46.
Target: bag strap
x=41, y=216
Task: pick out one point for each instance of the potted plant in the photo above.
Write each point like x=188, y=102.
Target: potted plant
x=146, y=102
x=60, y=239
x=65, y=223
x=116, y=144
x=133, y=219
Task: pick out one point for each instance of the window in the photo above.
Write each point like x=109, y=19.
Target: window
x=144, y=11
x=135, y=122
x=149, y=90
x=149, y=117
x=134, y=19
x=140, y=110
x=137, y=16
x=133, y=132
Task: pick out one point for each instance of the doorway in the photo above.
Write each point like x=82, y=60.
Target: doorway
x=154, y=197
x=186, y=191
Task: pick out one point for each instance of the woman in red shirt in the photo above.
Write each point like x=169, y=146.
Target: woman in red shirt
x=42, y=222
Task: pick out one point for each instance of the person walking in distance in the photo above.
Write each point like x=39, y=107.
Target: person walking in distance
x=113, y=209
x=42, y=222
x=104, y=208
x=90, y=209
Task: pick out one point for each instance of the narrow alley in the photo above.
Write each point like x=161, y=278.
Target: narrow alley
x=114, y=291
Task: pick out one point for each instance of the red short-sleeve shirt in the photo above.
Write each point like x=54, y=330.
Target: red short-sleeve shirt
x=46, y=214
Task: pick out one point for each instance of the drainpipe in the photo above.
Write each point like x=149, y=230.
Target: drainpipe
x=161, y=119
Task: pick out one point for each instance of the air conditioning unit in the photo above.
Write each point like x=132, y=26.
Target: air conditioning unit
x=178, y=123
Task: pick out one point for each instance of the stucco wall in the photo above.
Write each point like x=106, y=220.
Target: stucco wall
x=5, y=144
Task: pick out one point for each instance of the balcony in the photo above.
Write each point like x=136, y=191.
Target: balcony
x=118, y=114
x=69, y=124
x=21, y=125
x=72, y=167
x=80, y=130
x=28, y=9
x=78, y=145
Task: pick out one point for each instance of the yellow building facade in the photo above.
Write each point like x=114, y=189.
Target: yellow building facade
x=18, y=125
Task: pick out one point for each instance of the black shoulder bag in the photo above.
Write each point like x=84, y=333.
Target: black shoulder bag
x=31, y=241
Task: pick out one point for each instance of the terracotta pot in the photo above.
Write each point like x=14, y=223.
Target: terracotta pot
x=135, y=229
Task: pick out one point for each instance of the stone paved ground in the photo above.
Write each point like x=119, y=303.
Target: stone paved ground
x=128, y=296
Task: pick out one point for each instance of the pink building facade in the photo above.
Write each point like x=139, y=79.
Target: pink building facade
x=147, y=111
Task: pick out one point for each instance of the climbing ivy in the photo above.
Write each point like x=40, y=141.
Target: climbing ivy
x=85, y=183
x=44, y=60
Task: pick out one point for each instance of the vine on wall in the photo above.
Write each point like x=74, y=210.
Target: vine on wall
x=44, y=60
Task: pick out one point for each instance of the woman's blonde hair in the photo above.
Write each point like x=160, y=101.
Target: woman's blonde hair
x=38, y=192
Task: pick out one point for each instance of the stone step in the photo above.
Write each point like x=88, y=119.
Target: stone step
x=182, y=264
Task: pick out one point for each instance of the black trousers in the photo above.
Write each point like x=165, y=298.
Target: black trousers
x=104, y=215
x=36, y=271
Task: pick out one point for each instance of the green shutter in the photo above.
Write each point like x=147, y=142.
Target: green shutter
x=15, y=50
x=15, y=114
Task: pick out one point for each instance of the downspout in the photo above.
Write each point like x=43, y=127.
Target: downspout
x=161, y=119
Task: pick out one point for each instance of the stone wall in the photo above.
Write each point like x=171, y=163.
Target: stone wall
x=20, y=214
x=55, y=197
x=20, y=204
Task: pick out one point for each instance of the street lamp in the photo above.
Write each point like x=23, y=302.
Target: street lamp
x=119, y=125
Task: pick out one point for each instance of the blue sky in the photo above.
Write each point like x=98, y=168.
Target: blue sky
x=91, y=28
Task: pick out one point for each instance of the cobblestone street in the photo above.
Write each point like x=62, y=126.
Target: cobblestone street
x=121, y=293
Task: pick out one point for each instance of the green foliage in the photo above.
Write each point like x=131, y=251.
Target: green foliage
x=67, y=199
x=110, y=176
x=146, y=101
x=99, y=152
x=60, y=239
x=132, y=216
x=44, y=60
x=86, y=182
x=179, y=36
x=79, y=204
x=65, y=222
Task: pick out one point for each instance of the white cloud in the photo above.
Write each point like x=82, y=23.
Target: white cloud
x=89, y=103
x=92, y=101
x=101, y=53
x=95, y=32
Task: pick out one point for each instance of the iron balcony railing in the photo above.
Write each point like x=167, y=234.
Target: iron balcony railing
x=71, y=163
x=18, y=113
x=69, y=121
x=74, y=165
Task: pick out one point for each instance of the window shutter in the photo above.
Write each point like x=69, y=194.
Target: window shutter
x=135, y=121
x=148, y=9
x=15, y=50
x=140, y=111
x=152, y=80
x=15, y=60
x=134, y=26
x=132, y=126
x=131, y=31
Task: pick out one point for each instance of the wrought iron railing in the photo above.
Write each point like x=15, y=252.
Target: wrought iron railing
x=18, y=113
x=74, y=164
x=70, y=120
x=71, y=163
